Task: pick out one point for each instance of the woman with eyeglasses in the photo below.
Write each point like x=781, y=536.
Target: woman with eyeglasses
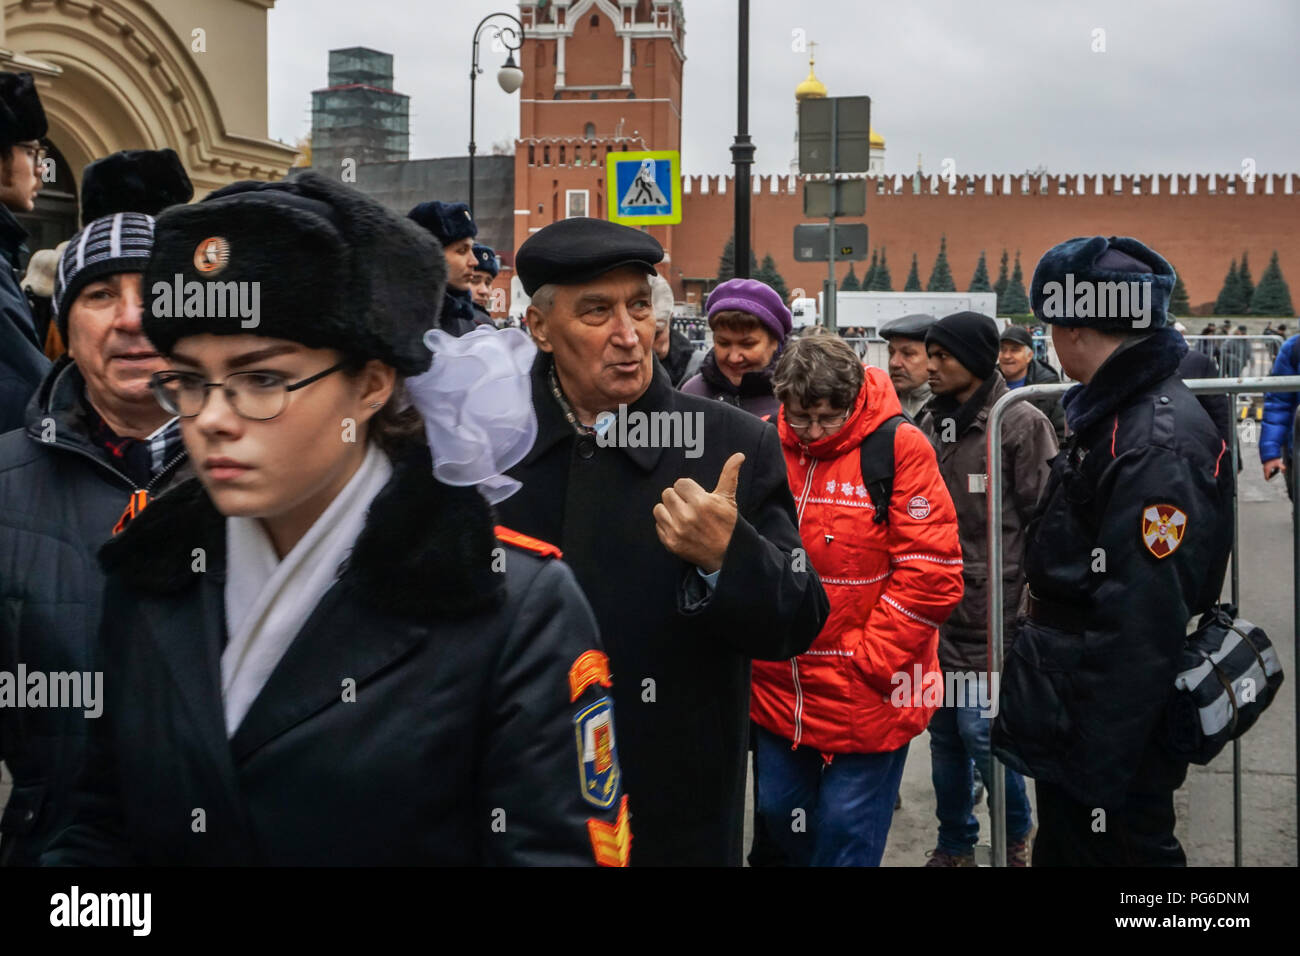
x=879, y=527
x=319, y=652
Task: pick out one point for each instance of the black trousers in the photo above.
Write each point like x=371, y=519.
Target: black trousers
x=1138, y=832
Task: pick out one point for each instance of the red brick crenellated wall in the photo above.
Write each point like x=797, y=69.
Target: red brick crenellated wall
x=1199, y=223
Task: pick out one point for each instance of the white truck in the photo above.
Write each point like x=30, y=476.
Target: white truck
x=870, y=310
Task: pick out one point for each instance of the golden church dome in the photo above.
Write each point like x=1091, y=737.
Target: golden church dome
x=877, y=141
x=811, y=88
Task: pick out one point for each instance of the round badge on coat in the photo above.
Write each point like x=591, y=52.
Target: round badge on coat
x=212, y=255
x=918, y=507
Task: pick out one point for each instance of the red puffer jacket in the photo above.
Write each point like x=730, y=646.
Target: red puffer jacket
x=856, y=690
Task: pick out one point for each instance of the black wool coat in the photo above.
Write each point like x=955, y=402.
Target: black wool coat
x=22, y=362
x=59, y=501
x=680, y=655
x=1083, y=694
x=461, y=744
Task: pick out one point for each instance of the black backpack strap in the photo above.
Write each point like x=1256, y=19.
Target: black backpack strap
x=877, y=452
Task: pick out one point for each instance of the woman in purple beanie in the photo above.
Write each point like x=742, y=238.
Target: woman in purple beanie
x=750, y=324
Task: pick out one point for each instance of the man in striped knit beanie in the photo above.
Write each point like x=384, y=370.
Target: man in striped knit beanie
x=95, y=448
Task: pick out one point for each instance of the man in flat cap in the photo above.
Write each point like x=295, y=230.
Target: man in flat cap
x=908, y=363
x=22, y=360
x=1130, y=540
x=675, y=514
x=1019, y=366
x=454, y=228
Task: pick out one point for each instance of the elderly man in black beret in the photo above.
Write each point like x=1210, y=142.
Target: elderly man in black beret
x=1020, y=366
x=454, y=228
x=1130, y=540
x=96, y=448
x=675, y=514
x=908, y=363
x=22, y=360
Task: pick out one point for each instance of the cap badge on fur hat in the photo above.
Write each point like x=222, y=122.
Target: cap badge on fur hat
x=212, y=255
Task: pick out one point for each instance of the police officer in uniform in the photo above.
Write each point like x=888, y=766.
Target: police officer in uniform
x=454, y=228
x=1129, y=542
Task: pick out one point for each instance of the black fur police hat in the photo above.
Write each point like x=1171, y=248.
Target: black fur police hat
x=1116, y=285
x=21, y=115
x=134, y=180
x=449, y=221
x=487, y=260
x=326, y=265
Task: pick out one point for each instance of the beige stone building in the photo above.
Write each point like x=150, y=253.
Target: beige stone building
x=131, y=74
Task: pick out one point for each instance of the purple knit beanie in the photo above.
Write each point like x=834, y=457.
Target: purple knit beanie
x=758, y=299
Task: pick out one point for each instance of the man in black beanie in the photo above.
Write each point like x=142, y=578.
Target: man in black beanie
x=96, y=448
x=1130, y=541
x=454, y=228
x=964, y=377
x=22, y=361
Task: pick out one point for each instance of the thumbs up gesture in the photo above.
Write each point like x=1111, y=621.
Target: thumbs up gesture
x=695, y=524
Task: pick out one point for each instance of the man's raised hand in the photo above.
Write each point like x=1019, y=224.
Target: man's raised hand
x=696, y=525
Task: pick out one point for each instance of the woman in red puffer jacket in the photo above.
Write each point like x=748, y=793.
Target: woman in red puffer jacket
x=835, y=722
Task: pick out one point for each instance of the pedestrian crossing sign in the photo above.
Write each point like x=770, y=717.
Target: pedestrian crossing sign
x=645, y=188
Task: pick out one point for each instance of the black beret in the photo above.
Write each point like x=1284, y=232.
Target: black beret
x=578, y=249
x=21, y=115
x=487, y=260
x=1079, y=283
x=134, y=180
x=449, y=221
x=908, y=327
x=1018, y=334
x=334, y=270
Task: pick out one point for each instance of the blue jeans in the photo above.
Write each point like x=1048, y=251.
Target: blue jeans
x=826, y=815
x=959, y=739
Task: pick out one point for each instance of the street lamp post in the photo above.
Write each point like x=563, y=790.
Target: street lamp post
x=742, y=150
x=509, y=77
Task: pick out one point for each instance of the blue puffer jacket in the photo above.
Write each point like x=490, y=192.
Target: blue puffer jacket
x=1279, y=407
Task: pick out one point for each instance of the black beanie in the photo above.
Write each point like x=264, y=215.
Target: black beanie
x=971, y=338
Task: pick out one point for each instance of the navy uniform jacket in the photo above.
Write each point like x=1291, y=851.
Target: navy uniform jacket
x=1130, y=540
x=22, y=363
x=478, y=728
x=680, y=655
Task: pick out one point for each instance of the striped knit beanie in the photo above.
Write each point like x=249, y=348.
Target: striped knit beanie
x=121, y=242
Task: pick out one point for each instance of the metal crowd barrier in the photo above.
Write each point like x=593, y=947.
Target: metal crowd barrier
x=1205, y=386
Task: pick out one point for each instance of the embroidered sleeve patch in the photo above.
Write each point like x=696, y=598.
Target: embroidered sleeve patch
x=611, y=843
x=918, y=507
x=590, y=668
x=1162, y=529
x=598, y=771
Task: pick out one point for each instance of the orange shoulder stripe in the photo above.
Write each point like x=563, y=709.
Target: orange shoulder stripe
x=535, y=545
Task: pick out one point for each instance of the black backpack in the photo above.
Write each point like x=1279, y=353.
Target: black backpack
x=877, y=452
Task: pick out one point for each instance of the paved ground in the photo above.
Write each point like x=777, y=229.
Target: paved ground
x=1204, y=804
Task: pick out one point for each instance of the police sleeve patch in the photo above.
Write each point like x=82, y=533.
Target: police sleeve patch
x=1163, y=527
x=598, y=771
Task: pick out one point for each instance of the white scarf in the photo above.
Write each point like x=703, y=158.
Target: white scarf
x=268, y=600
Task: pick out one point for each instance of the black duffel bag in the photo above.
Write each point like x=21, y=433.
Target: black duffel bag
x=1228, y=675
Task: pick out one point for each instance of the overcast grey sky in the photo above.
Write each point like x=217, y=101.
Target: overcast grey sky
x=998, y=85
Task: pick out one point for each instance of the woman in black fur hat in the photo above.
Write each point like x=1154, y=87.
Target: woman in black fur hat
x=321, y=644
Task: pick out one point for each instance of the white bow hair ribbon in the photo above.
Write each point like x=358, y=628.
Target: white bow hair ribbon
x=477, y=404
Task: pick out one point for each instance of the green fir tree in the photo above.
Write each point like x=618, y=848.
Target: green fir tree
x=727, y=264
x=1016, y=303
x=1245, y=281
x=882, y=281
x=979, y=282
x=768, y=273
x=1179, y=303
x=1000, y=287
x=1272, y=295
x=870, y=277
x=913, y=283
x=1230, y=301
x=850, y=282
x=941, y=274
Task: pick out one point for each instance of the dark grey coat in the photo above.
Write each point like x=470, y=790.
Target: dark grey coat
x=22, y=362
x=59, y=501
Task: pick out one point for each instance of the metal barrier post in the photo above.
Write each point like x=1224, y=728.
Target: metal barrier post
x=1204, y=386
